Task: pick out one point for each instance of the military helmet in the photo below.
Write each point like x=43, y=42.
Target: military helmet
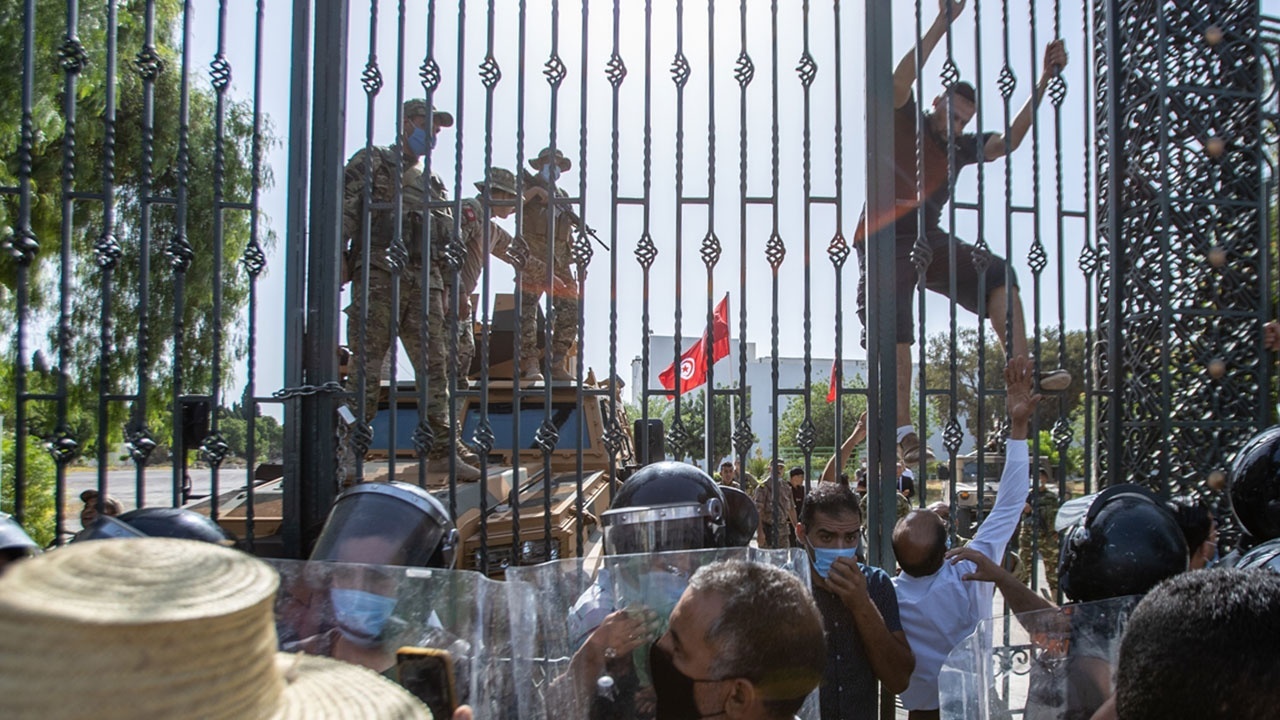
x=417, y=107
x=741, y=517
x=388, y=523
x=500, y=179
x=1125, y=544
x=665, y=506
x=1255, y=485
x=545, y=156
x=176, y=523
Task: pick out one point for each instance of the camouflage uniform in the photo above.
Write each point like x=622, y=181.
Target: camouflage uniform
x=903, y=507
x=471, y=232
x=784, y=523
x=377, y=332
x=1039, y=522
x=533, y=280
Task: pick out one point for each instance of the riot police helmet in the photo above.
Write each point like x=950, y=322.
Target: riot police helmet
x=1125, y=544
x=1263, y=556
x=1255, y=485
x=177, y=523
x=106, y=527
x=15, y=543
x=388, y=523
x=740, y=517
x=665, y=506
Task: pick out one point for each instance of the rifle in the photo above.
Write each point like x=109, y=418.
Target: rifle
x=561, y=210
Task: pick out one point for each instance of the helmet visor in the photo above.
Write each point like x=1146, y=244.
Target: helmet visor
x=382, y=526
x=659, y=528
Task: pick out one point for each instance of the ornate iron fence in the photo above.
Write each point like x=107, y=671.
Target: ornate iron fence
x=138, y=209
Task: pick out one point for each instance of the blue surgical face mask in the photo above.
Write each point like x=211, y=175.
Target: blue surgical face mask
x=824, y=557
x=550, y=172
x=361, y=615
x=418, y=142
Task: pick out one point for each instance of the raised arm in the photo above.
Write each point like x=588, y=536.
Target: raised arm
x=831, y=472
x=1020, y=598
x=1015, y=483
x=904, y=76
x=1055, y=59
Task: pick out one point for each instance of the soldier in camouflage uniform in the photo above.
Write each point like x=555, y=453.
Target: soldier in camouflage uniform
x=379, y=164
x=502, y=190
x=563, y=288
x=1037, y=519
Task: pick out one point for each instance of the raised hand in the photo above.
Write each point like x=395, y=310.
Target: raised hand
x=1055, y=58
x=986, y=571
x=957, y=7
x=1020, y=401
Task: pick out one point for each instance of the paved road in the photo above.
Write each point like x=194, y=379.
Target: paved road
x=157, y=485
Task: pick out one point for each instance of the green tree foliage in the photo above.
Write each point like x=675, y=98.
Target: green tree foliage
x=86, y=297
x=978, y=424
x=38, y=513
x=824, y=423
x=268, y=435
x=693, y=412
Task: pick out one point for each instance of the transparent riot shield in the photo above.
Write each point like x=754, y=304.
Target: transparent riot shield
x=1056, y=664
x=578, y=596
x=364, y=614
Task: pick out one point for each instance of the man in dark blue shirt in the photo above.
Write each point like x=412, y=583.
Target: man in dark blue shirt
x=944, y=148
x=865, y=641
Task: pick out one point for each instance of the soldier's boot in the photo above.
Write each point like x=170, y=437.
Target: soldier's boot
x=559, y=370
x=529, y=371
x=465, y=453
x=465, y=472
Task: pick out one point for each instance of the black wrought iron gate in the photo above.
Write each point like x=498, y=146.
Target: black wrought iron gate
x=155, y=148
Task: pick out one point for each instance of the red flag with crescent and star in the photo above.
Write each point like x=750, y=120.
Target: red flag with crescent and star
x=693, y=364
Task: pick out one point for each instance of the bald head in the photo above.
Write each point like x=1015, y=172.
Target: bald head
x=919, y=542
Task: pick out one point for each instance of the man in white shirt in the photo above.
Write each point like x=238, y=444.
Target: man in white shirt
x=937, y=607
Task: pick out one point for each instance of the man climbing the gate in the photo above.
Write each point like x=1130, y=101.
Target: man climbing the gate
x=918, y=211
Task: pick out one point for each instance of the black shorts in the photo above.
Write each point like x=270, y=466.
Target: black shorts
x=937, y=277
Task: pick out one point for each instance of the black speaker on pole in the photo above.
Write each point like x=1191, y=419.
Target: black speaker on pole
x=195, y=420
x=656, y=450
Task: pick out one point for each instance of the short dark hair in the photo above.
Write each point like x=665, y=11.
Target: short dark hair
x=797, y=470
x=1193, y=517
x=829, y=498
x=726, y=463
x=964, y=90
x=1203, y=644
x=783, y=659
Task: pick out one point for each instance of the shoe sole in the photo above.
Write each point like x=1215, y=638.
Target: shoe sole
x=1055, y=383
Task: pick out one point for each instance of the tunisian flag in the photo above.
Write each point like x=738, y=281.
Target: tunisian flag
x=693, y=364
x=835, y=382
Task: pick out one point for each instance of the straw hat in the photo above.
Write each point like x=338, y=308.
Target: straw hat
x=165, y=628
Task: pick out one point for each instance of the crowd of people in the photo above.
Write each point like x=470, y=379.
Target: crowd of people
x=751, y=608
x=811, y=629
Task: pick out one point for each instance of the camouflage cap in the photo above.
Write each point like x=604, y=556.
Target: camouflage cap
x=500, y=179
x=545, y=156
x=417, y=107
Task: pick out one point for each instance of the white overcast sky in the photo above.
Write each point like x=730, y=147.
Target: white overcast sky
x=470, y=132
